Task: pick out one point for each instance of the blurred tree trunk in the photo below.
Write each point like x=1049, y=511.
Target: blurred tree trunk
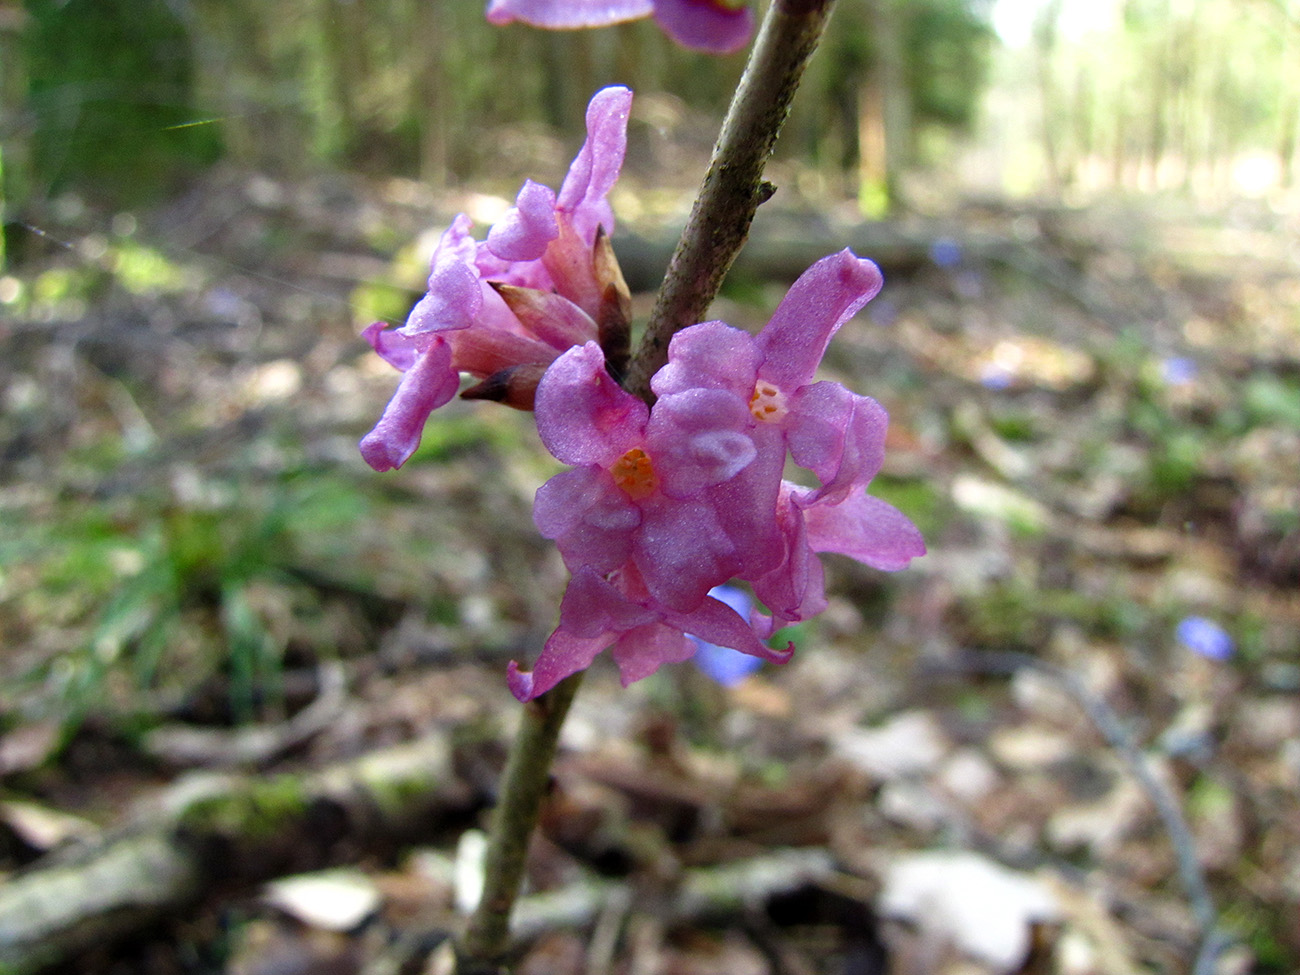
x=1054, y=112
x=885, y=126
x=1158, y=90
x=343, y=39
x=1289, y=112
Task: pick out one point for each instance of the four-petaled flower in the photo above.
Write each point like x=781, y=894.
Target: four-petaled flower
x=502, y=309
x=639, y=492
x=717, y=26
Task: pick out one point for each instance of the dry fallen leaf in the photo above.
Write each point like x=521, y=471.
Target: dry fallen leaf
x=975, y=905
x=333, y=900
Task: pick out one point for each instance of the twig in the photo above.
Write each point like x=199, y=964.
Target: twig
x=250, y=745
x=1112, y=729
x=217, y=830
x=483, y=948
x=733, y=187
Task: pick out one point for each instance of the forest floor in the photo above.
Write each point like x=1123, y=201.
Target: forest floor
x=1018, y=755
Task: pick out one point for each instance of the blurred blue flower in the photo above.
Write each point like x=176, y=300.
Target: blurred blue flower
x=1204, y=637
x=1178, y=370
x=726, y=666
x=945, y=252
x=996, y=376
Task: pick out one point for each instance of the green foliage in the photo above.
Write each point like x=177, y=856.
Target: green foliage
x=260, y=810
x=1170, y=92
x=928, y=508
x=1254, y=925
x=1175, y=462
x=470, y=431
x=917, y=68
x=948, y=44
x=171, y=594
x=1269, y=400
x=110, y=94
x=126, y=96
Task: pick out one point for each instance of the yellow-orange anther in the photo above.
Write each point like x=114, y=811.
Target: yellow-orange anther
x=768, y=402
x=635, y=474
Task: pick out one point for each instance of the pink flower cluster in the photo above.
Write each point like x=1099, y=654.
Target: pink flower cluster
x=662, y=503
x=501, y=310
x=717, y=26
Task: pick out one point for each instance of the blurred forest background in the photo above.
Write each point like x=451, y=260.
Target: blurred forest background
x=1089, y=345
x=122, y=99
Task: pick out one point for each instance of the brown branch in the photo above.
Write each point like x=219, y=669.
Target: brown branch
x=733, y=188
x=485, y=944
x=227, y=831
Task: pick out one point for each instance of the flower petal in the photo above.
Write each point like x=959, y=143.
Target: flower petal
x=454, y=295
x=593, y=614
x=583, y=416
x=796, y=588
x=596, y=167
x=590, y=519
x=826, y=296
x=527, y=227
x=427, y=385
x=717, y=623
x=724, y=665
x=745, y=506
x=682, y=552
x=567, y=14
x=564, y=654
x=592, y=605
x=712, y=355
x=641, y=651
x=455, y=244
x=705, y=25
x=864, y=528
x=838, y=435
x=398, y=350
x=698, y=438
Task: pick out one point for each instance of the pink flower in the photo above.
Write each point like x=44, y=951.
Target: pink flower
x=724, y=665
x=864, y=528
x=836, y=434
x=501, y=310
x=638, y=492
x=717, y=26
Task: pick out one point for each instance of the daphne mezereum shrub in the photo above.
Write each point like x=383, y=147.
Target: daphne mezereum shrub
x=664, y=502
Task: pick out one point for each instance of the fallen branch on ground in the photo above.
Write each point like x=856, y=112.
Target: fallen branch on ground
x=213, y=831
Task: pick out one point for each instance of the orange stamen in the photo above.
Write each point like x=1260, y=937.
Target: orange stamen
x=635, y=474
x=768, y=402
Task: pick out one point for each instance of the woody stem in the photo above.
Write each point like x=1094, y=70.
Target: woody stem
x=733, y=187
x=484, y=946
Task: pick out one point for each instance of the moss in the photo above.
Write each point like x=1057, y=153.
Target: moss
x=398, y=780
x=261, y=811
